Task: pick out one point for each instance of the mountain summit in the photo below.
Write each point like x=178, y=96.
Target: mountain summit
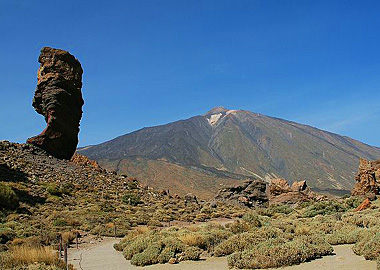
x=205, y=152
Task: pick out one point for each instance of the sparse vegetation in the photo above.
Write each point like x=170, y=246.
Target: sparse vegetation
x=20, y=256
x=264, y=238
x=8, y=198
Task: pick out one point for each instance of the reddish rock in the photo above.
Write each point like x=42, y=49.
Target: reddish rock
x=86, y=162
x=281, y=193
x=291, y=197
x=299, y=186
x=58, y=98
x=278, y=186
x=364, y=205
x=368, y=178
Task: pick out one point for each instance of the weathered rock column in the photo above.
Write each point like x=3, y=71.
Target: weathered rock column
x=58, y=98
x=368, y=178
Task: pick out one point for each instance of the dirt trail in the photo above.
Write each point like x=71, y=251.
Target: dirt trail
x=100, y=256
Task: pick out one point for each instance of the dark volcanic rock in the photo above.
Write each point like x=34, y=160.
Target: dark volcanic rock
x=368, y=178
x=250, y=193
x=58, y=98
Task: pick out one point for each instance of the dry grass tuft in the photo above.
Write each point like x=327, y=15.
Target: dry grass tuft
x=23, y=255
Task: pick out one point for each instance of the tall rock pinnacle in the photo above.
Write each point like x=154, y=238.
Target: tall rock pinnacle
x=58, y=98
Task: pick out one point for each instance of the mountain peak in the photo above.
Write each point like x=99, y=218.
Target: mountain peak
x=216, y=110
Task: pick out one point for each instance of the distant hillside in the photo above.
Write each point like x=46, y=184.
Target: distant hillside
x=204, y=152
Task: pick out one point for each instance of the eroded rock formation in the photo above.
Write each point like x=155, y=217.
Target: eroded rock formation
x=58, y=98
x=250, y=193
x=368, y=178
x=280, y=192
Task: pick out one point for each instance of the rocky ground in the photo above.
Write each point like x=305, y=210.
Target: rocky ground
x=52, y=196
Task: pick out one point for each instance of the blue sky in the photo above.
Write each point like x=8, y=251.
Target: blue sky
x=151, y=62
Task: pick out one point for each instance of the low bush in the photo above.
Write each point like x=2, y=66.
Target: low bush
x=253, y=219
x=131, y=199
x=8, y=198
x=192, y=254
x=6, y=234
x=276, y=253
x=324, y=208
x=53, y=189
x=348, y=234
x=369, y=245
x=246, y=240
x=19, y=256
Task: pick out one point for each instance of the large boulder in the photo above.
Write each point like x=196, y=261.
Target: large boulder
x=280, y=192
x=250, y=193
x=58, y=98
x=368, y=178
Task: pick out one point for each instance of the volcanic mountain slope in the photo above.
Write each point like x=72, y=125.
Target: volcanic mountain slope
x=205, y=152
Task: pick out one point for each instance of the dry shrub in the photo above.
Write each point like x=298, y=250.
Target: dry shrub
x=68, y=237
x=246, y=240
x=193, y=239
x=369, y=244
x=303, y=230
x=277, y=253
x=347, y=234
x=24, y=255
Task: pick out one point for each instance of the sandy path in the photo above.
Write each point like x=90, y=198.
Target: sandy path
x=100, y=256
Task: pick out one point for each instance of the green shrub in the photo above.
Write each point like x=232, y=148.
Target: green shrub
x=324, y=208
x=53, y=189
x=8, y=198
x=131, y=199
x=192, y=254
x=165, y=256
x=369, y=245
x=275, y=253
x=67, y=188
x=6, y=234
x=275, y=209
x=148, y=256
x=253, y=219
x=348, y=234
x=246, y=240
x=59, y=222
x=353, y=202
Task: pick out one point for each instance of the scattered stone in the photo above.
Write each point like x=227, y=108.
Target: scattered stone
x=58, y=98
x=190, y=198
x=81, y=160
x=368, y=178
x=172, y=261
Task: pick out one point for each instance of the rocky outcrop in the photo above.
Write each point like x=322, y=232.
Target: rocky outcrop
x=368, y=178
x=190, y=198
x=280, y=192
x=250, y=193
x=58, y=98
x=81, y=160
x=278, y=187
